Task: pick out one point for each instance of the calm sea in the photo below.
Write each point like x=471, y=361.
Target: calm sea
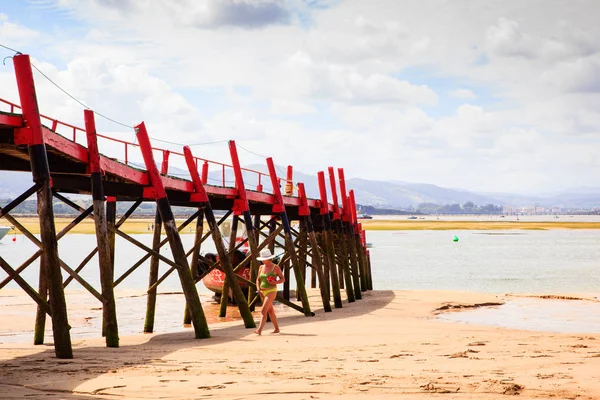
x=516, y=261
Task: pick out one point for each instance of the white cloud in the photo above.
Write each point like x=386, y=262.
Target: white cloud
x=348, y=81
x=14, y=35
x=463, y=94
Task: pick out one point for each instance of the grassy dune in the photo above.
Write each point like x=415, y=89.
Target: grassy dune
x=141, y=225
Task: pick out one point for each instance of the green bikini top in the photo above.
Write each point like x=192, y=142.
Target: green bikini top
x=264, y=283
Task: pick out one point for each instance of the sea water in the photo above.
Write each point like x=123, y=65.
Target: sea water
x=516, y=261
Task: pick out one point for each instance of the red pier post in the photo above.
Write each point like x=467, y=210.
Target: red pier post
x=41, y=175
x=243, y=207
x=164, y=207
x=329, y=246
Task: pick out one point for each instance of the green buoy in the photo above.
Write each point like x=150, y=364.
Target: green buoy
x=455, y=238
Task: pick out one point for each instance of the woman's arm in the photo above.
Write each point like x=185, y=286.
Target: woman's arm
x=279, y=275
x=258, y=280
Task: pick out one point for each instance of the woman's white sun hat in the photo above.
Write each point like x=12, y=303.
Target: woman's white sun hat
x=265, y=254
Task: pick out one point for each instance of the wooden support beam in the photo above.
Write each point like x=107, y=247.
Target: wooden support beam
x=357, y=278
x=279, y=207
x=131, y=210
x=111, y=226
x=83, y=263
x=356, y=230
x=187, y=317
x=152, y=275
x=148, y=255
x=110, y=326
x=253, y=234
x=347, y=228
x=302, y=255
x=328, y=239
x=164, y=207
x=307, y=227
x=218, y=240
x=25, y=286
x=225, y=287
x=24, y=196
x=41, y=176
x=39, y=330
x=352, y=283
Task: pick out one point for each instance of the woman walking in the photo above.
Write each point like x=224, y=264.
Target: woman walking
x=269, y=276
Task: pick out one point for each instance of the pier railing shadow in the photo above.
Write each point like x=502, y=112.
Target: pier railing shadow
x=90, y=362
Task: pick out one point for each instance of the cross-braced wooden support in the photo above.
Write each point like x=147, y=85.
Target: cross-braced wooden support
x=329, y=245
x=345, y=230
x=329, y=240
x=224, y=258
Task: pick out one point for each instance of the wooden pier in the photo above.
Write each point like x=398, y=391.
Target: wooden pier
x=329, y=242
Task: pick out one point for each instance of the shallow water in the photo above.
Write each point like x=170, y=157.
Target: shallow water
x=569, y=316
x=553, y=261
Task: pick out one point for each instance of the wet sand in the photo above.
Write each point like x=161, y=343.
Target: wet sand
x=389, y=345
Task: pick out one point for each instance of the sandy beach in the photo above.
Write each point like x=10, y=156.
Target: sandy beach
x=388, y=345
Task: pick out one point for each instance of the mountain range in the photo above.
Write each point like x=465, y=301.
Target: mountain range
x=380, y=194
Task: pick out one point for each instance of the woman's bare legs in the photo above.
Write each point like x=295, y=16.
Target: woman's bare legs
x=267, y=306
x=274, y=319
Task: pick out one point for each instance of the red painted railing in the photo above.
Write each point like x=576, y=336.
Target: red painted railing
x=55, y=124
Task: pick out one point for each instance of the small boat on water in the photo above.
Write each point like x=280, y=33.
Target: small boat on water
x=4, y=230
x=412, y=217
x=365, y=216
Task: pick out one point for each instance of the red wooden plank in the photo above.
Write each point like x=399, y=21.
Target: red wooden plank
x=240, y=205
x=64, y=145
x=200, y=193
x=110, y=166
x=334, y=196
x=11, y=120
x=279, y=205
x=155, y=178
x=303, y=210
x=177, y=184
x=230, y=193
x=125, y=172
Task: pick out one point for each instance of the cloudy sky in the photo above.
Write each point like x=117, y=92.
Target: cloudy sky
x=495, y=95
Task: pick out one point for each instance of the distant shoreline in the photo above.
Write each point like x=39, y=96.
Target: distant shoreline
x=145, y=225
x=415, y=225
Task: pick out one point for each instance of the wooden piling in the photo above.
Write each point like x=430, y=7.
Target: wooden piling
x=40, y=317
x=253, y=232
x=41, y=175
x=225, y=288
x=153, y=276
x=302, y=256
x=109, y=310
x=187, y=317
x=162, y=203
x=328, y=239
x=279, y=208
x=357, y=275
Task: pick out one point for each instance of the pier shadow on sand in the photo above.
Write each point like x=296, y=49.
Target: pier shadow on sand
x=59, y=378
